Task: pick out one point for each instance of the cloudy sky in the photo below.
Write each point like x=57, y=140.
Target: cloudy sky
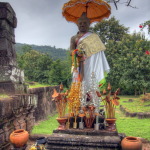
x=40, y=22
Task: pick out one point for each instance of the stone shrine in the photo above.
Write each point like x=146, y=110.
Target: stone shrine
x=11, y=77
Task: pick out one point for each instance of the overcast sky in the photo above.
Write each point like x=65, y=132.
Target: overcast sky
x=41, y=22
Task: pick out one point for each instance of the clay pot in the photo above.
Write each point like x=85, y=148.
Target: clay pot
x=19, y=137
x=111, y=124
x=131, y=143
x=62, y=123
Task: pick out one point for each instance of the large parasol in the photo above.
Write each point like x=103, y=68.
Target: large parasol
x=96, y=10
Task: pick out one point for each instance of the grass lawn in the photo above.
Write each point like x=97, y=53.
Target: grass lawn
x=47, y=126
x=133, y=126
x=4, y=96
x=129, y=126
x=136, y=106
x=37, y=85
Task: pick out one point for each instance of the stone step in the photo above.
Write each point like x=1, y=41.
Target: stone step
x=82, y=142
x=86, y=131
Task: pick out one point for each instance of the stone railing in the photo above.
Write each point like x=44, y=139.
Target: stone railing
x=45, y=105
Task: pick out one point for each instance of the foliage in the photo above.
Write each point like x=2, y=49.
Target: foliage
x=40, y=67
x=144, y=25
x=127, y=57
x=60, y=73
x=130, y=66
x=36, y=65
x=110, y=30
x=55, y=53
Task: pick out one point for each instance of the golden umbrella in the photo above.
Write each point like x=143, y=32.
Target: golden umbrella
x=96, y=10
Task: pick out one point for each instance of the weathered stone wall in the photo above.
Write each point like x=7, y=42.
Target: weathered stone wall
x=16, y=113
x=45, y=105
x=22, y=110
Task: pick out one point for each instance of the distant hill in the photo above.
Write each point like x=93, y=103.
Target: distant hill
x=55, y=53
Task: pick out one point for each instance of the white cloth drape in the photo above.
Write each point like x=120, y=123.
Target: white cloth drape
x=98, y=64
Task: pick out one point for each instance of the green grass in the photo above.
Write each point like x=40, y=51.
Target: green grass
x=4, y=96
x=130, y=126
x=136, y=106
x=37, y=85
x=133, y=126
x=47, y=126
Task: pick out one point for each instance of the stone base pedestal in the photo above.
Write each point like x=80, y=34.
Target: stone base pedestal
x=12, y=88
x=11, y=80
x=87, y=139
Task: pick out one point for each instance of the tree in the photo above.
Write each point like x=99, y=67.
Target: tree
x=116, y=2
x=144, y=25
x=126, y=56
x=110, y=30
x=131, y=70
x=26, y=48
x=55, y=74
x=35, y=65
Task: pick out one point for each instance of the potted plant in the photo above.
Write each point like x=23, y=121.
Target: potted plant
x=61, y=102
x=110, y=102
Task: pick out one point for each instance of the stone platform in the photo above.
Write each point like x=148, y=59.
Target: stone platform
x=87, y=139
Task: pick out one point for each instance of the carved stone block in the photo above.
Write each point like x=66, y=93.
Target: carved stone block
x=7, y=35
x=5, y=26
x=7, y=13
x=12, y=74
x=9, y=49
x=8, y=6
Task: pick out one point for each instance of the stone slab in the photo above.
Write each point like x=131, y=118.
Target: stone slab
x=82, y=142
x=89, y=132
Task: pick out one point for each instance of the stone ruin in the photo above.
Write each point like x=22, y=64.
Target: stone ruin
x=22, y=106
x=11, y=77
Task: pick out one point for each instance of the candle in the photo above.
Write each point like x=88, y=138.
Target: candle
x=97, y=117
